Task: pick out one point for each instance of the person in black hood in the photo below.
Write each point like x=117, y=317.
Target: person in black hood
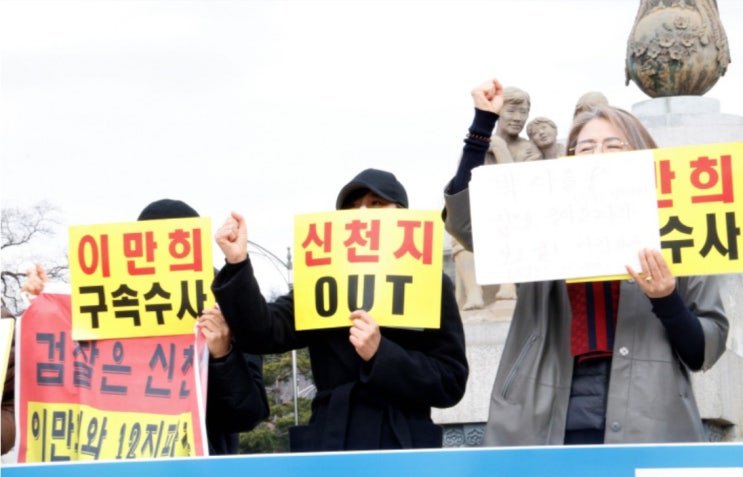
x=236, y=396
x=375, y=386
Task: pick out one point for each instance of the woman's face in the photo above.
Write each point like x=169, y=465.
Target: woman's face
x=599, y=135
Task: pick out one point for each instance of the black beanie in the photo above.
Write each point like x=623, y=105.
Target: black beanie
x=382, y=183
x=167, y=209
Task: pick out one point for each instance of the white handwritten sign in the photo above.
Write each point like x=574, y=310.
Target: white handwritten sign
x=573, y=217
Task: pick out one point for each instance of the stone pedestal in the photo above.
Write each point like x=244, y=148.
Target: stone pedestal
x=485, y=333
x=687, y=121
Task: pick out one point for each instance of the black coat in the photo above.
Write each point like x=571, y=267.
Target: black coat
x=236, y=399
x=381, y=404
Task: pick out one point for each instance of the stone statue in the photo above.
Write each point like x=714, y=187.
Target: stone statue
x=469, y=293
x=676, y=48
x=588, y=101
x=543, y=132
x=506, y=145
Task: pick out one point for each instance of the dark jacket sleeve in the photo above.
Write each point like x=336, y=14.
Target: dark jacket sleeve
x=435, y=374
x=257, y=326
x=692, y=313
x=236, y=399
x=456, y=213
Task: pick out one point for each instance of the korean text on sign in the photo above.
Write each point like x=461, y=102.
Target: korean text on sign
x=385, y=261
x=105, y=399
x=700, y=199
x=135, y=279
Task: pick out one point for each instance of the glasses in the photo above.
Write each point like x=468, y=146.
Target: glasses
x=610, y=144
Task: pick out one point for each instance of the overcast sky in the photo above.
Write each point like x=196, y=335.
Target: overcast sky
x=270, y=107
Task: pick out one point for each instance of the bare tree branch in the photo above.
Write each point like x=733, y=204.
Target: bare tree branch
x=21, y=231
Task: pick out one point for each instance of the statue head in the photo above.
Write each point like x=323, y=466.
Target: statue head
x=515, y=112
x=542, y=131
x=588, y=101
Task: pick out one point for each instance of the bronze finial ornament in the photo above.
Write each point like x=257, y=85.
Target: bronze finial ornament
x=676, y=47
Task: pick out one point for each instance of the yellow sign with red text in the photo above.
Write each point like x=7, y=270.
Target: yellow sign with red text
x=385, y=261
x=136, y=279
x=700, y=207
x=700, y=191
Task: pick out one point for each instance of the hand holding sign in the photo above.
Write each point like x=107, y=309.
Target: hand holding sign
x=365, y=335
x=217, y=333
x=655, y=279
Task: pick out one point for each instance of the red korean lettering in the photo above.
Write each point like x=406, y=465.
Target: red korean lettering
x=423, y=250
x=93, y=254
x=711, y=173
x=366, y=236
x=664, y=177
x=317, y=243
x=185, y=245
x=137, y=246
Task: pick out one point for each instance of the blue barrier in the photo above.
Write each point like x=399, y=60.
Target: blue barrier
x=573, y=461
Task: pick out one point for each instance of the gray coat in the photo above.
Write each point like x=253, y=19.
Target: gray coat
x=650, y=399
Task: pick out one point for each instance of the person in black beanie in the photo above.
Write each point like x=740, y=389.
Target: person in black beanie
x=375, y=387
x=236, y=396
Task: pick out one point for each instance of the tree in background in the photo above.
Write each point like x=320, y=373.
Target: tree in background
x=27, y=237
x=272, y=435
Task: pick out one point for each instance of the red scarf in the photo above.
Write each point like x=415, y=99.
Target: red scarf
x=594, y=306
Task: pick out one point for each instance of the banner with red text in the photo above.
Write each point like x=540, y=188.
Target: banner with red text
x=105, y=399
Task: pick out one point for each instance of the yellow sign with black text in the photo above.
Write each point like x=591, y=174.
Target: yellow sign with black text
x=385, y=261
x=137, y=279
x=700, y=207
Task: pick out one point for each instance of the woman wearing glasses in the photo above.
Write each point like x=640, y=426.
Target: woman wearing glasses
x=598, y=362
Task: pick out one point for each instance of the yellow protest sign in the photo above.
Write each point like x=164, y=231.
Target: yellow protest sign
x=700, y=207
x=385, y=261
x=136, y=279
x=67, y=431
x=700, y=191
